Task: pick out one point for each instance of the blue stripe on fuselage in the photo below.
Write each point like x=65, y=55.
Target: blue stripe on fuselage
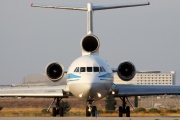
x=72, y=77
x=106, y=76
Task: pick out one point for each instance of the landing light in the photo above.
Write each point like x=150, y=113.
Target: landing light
x=80, y=95
x=99, y=95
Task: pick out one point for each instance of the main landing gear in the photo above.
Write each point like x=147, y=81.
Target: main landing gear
x=58, y=110
x=90, y=110
x=124, y=109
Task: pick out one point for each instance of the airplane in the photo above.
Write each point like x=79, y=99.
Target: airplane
x=89, y=77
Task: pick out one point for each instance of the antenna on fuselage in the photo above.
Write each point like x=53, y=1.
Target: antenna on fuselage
x=90, y=8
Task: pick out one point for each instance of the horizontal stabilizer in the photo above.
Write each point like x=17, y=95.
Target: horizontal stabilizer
x=94, y=7
x=59, y=7
x=90, y=8
x=120, y=6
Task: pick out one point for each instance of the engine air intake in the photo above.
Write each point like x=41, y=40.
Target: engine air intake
x=90, y=43
x=54, y=72
x=126, y=71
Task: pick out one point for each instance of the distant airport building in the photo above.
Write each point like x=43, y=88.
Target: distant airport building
x=41, y=79
x=149, y=78
x=38, y=79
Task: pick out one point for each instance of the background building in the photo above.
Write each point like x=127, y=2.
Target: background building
x=149, y=78
x=141, y=78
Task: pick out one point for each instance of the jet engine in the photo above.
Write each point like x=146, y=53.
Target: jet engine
x=90, y=43
x=54, y=71
x=126, y=71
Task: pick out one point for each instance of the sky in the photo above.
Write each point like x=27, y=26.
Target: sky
x=31, y=38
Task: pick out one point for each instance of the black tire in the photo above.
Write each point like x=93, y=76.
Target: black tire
x=88, y=114
x=94, y=109
x=120, y=111
x=54, y=112
x=61, y=111
x=127, y=111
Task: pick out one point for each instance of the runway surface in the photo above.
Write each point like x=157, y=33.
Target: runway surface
x=89, y=118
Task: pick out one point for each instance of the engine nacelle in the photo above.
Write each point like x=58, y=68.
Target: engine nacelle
x=126, y=71
x=90, y=44
x=54, y=71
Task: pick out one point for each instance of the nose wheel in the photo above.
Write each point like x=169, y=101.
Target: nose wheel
x=90, y=110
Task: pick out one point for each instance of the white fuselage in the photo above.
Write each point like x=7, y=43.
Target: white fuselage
x=89, y=77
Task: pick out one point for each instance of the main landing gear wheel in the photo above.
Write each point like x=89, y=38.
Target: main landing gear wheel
x=124, y=109
x=57, y=110
x=120, y=111
x=54, y=112
x=127, y=111
x=61, y=111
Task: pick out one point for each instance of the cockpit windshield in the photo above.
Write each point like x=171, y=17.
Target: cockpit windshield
x=76, y=69
x=96, y=69
x=82, y=69
x=90, y=69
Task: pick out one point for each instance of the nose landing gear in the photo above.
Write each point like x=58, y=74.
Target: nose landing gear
x=90, y=110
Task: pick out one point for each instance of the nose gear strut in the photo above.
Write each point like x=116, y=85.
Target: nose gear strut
x=90, y=110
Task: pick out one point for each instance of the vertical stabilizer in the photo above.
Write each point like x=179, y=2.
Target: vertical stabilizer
x=90, y=43
x=89, y=18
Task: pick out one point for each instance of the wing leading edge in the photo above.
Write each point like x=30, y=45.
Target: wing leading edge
x=33, y=91
x=142, y=90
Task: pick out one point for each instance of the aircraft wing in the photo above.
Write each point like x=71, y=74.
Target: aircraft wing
x=142, y=90
x=33, y=91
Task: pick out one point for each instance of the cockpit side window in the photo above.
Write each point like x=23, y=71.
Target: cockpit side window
x=82, y=69
x=89, y=69
x=76, y=69
x=96, y=69
x=103, y=69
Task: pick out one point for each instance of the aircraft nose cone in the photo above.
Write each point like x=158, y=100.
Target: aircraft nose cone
x=89, y=78
x=89, y=87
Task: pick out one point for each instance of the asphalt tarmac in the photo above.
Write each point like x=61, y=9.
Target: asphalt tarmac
x=89, y=118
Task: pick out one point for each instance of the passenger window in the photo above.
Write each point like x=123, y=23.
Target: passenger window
x=96, y=69
x=89, y=69
x=82, y=69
